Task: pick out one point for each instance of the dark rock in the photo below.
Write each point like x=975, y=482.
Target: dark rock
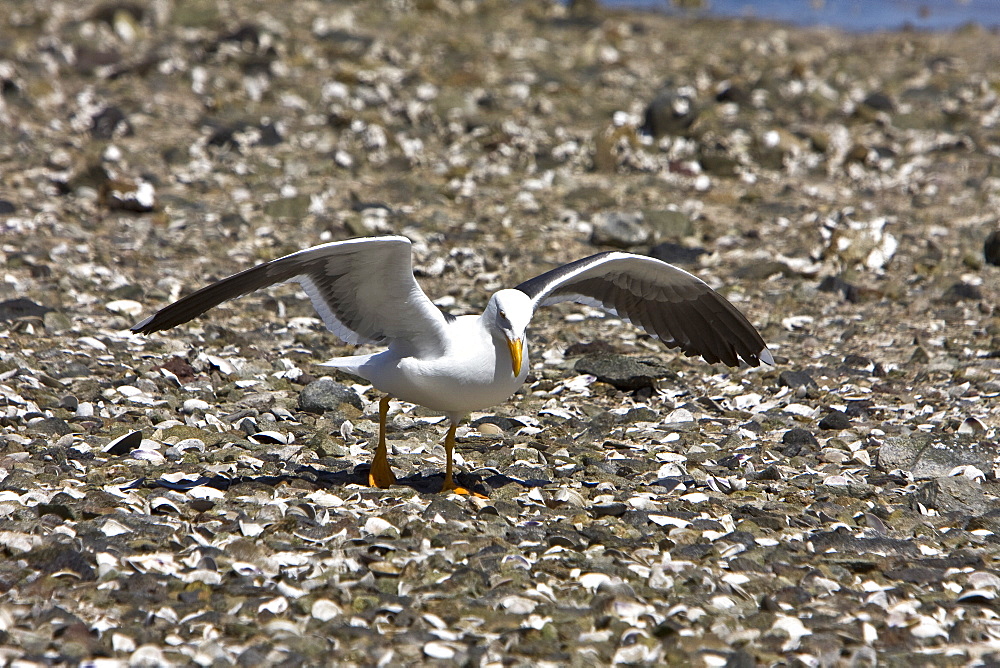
x=929, y=456
x=326, y=394
x=962, y=291
x=233, y=136
x=6, y=208
x=179, y=367
x=799, y=436
x=625, y=373
x=798, y=440
x=62, y=558
x=69, y=402
x=639, y=414
x=717, y=161
x=791, y=378
x=506, y=424
x=21, y=307
x=991, y=248
x=675, y=253
x=770, y=473
x=918, y=575
x=589, y=348
x=759, y=271
x=124, y=444
x=859, y=362
x=613, y=509
x=247, y=35
x=859, y=408
x=269, y=135
x=619, y=229
x=732, y=92
x=88, y=60
x=879, y=101
x=848, y=291
x=669, y=114
x=952, y=494
x=835, y=420
x=109, y=123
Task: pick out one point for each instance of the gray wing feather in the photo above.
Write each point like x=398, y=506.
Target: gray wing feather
x=667, y=302
x=363, y=289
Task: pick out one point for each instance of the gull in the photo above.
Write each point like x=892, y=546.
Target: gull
x=365, y=293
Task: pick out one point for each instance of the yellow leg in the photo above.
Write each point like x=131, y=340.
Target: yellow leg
x=449, y=484
x=381, y=474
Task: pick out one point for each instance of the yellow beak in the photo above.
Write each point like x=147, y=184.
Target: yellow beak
x=516, y=354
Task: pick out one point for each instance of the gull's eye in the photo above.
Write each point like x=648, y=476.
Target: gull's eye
x=503, y=314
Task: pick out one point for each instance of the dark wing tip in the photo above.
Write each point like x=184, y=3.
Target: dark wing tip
x=144, y=327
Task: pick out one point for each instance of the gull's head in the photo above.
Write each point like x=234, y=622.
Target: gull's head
x=507, y=315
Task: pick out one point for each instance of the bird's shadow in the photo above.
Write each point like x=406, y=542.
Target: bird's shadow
x=330, y=479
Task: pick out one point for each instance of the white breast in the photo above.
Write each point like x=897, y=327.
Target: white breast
x=473, y=374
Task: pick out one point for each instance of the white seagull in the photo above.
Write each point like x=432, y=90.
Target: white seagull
x=365, y=292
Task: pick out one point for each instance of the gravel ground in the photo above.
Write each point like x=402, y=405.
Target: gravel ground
x=185, y=499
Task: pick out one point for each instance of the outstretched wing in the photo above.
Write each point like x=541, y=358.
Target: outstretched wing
x=363, y=289
x=667, y=302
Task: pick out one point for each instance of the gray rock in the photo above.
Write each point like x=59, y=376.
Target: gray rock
x=619, y=229
x=667, y=223
x=952, y=494
x=21, y=307
x=625, y=373
x=326, y=394
x=51, y=425
x=929, y=456
x=962, y=291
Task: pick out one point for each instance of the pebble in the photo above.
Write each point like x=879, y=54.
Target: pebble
x=673, y=253
x=835, y=420
x=619, y=229
x=192, y=405
x=991, y=248
x=794, y=378
x=625, y=373
x=21, y=307
x=128, y=307
x=325, y=394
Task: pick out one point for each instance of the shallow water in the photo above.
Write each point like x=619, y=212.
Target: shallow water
x=851, y=15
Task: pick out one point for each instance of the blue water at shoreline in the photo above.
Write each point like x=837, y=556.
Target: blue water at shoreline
x=850, y=15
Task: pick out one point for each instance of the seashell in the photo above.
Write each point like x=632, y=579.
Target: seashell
x=971, y=426
x=192, y=405
x=593, y=581
x=275, y=606
x=270, y=437
x=439, y=650
x=324, y=610
x=127, y=307
x=376, y=526
x=124, y=444
x=162, y=504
